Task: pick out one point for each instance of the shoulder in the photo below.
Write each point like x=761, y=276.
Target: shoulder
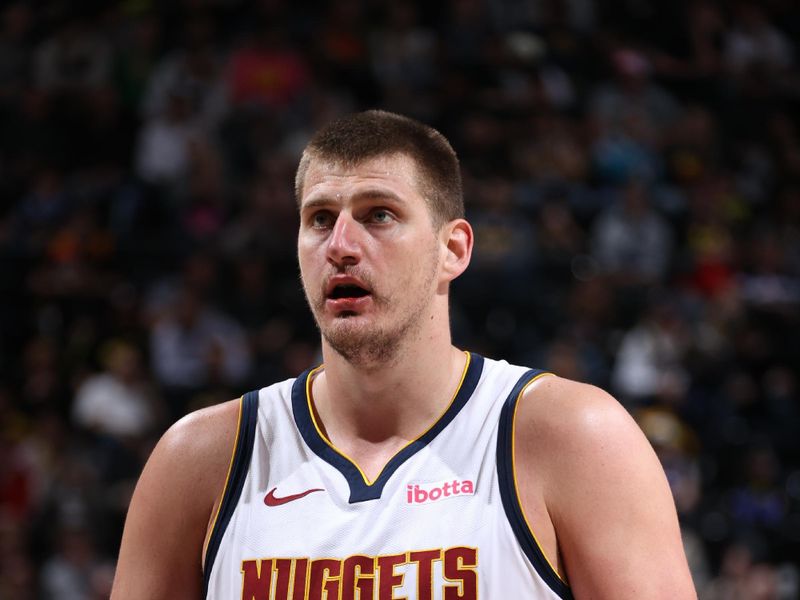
x=575, y=434
x=195, y=453
x=173, y=503
x=192, y=458
x=201, y=440
x=587, y=468
x=205, y=431
x=569, y=415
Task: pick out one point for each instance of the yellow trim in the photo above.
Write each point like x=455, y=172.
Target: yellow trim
x=514, y=472
x=343, y=455
x=210, y=531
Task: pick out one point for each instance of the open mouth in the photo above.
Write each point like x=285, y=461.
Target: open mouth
x=347, y=291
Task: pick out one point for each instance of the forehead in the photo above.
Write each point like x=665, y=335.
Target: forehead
x=396, y=173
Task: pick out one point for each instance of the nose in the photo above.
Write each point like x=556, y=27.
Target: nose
x=343, y=244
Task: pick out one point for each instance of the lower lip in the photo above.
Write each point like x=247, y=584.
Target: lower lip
x=338, y=305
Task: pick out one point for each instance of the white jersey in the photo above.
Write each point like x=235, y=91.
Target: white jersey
x=442, y=521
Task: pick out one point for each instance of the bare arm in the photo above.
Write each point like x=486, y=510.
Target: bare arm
x=592, y=485
x=162, y=545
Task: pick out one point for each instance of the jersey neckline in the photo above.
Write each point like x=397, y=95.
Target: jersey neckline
x=360, y=488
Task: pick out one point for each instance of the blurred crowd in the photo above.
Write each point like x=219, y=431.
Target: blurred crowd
x=631, y=168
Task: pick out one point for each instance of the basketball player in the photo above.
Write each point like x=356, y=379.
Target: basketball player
x=403, y=467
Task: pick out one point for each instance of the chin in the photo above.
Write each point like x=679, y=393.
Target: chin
x=348, y=330
x=362, y=345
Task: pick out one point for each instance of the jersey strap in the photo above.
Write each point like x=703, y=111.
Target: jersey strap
x=510, y=495
x=240, y=464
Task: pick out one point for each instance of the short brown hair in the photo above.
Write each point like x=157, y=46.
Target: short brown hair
x=355, y=138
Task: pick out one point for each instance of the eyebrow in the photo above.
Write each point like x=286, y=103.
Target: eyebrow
x=323, y=201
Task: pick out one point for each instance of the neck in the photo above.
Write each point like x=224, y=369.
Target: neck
x=396, y=401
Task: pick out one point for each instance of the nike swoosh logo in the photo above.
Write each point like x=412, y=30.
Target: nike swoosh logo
x=272, y=500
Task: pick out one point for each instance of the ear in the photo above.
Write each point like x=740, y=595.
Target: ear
x=457, y=241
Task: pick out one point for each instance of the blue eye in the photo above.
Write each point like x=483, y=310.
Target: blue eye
x=321, y=219
x=381, y=216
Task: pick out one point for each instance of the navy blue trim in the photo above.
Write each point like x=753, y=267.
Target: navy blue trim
x=508, y=492
x=233, y=489
x=360, y=491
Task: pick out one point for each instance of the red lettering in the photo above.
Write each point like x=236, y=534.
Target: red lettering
x=460, y=566
x=420, y=495
x=283, y=567
x=300, y=581
x=424, y=560
x=358, y=573
x=455, y=486
x=447, y=489
x=360, y=576
x=324, y=584
x=256, y=579
x=387, y=578
x=467, y=487
x=410, y=494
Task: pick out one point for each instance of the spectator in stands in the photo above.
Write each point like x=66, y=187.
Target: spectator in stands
x=196, y=346
x=117, y=402
x=630, y=240
x=75, y=572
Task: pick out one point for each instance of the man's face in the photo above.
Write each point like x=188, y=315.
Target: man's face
x=369, y=255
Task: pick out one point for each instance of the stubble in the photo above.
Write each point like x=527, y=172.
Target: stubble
x=368, y=344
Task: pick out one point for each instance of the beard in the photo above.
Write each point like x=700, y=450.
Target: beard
x=372, y=344
x=365, y=346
